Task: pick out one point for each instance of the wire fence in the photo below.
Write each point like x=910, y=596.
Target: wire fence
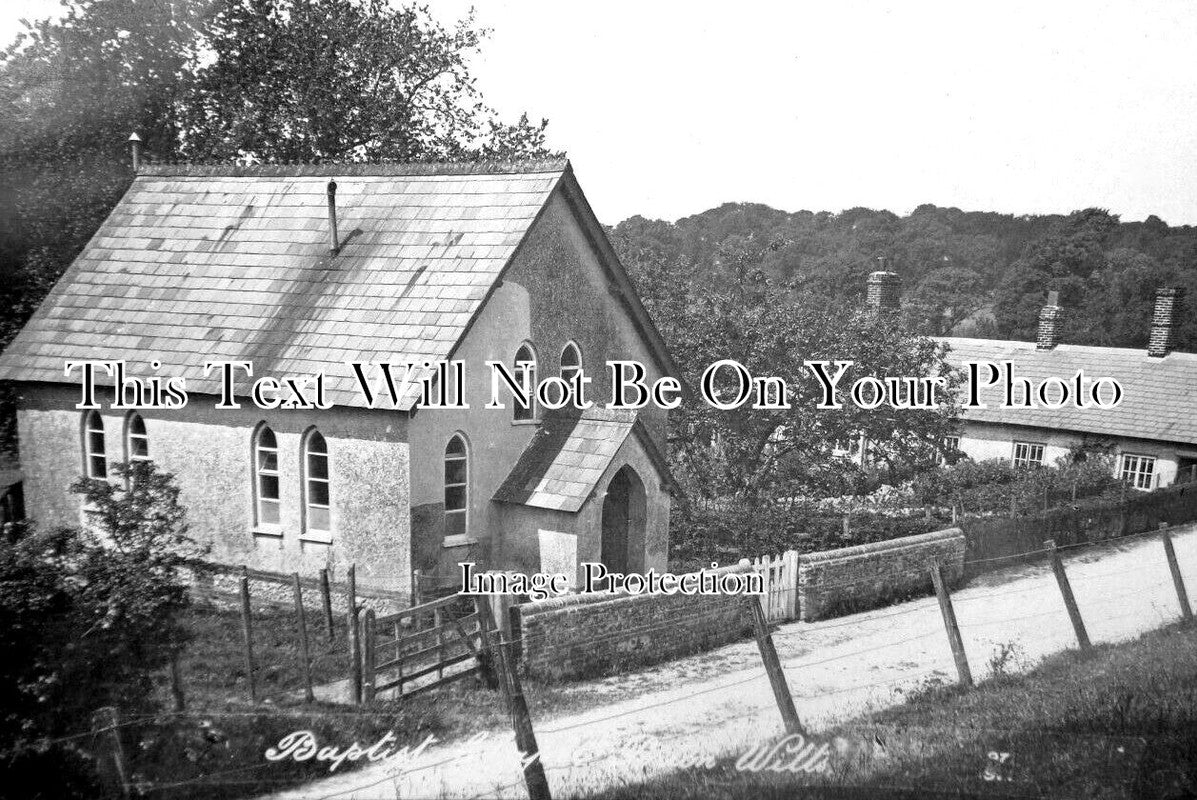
x=845, y=659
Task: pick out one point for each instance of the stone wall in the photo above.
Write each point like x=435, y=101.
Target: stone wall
x=870, y=575
x=584, y=635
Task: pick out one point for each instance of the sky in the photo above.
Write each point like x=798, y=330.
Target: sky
x=669, y=108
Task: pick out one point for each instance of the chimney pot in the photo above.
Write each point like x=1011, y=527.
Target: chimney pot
x=1163, y=321
x=334, y=243
x=1051, y=321
x=883, y=290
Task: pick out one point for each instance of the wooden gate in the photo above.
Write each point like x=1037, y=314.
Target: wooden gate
x=780, y=573
x=425, y=646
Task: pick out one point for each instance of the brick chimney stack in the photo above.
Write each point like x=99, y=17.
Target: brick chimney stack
x=1163, y=321
x=1051, y=321
x=883, y=290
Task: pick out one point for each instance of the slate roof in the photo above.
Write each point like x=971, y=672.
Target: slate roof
x=232, y=263
x=1160, y=401
x=561, y=466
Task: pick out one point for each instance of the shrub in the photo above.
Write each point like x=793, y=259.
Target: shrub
x=93, y=614
x=996, y=486
x=699, y=536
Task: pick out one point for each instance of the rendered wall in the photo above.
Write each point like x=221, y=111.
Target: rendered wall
x=555, y=292
x=209, y=451
x=983, y=441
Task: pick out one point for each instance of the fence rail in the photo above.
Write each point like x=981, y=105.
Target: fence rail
x=424, y=646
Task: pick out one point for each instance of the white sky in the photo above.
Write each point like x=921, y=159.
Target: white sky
x=670, y=108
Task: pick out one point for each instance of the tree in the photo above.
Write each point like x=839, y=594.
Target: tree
x=218, y=80
x=343, y=80
x=71, y=90
x=93, y=613
x=944, y=298
x=762, y=454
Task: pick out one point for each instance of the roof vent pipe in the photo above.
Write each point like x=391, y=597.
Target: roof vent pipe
x=135, y=145
x=334, y=244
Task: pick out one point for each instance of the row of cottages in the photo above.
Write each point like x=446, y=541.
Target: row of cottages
x=300, y=269
x=1152, y=433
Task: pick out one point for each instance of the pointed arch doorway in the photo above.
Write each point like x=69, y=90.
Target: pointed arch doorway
x=623, y=521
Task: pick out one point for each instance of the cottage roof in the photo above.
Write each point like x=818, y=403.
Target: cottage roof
x=202, y=263
x=563, y=463
x=1160, y=400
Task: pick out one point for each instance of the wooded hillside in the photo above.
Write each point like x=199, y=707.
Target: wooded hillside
x=970, y=273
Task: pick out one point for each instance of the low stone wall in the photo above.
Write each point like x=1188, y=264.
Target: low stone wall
x=869, y=575
x=584, y=635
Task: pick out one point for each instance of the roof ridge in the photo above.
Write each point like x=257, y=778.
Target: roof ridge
x=1061, y=347
x=330, y=169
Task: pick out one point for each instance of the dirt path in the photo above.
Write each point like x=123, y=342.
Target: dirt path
x=681, y=713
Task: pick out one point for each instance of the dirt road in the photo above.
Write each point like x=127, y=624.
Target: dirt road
x=720, y=702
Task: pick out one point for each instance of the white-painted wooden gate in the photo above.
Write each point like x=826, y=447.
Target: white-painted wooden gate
x=780, y=574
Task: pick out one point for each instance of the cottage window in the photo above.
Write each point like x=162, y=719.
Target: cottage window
x=571, y=361
x=266, y=498
x=457, y=473
x=525, y=363
x=316, y=483
x=95, y=462
x=1028, y=454
x=1138, y=471
x=137, y=443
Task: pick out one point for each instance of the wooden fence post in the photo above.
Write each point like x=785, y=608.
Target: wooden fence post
x=486, y=660
x=368, y=656
x=1182, y=596
x=777, y=677
x=1123, y=527
x=521, y=722
x=326, y=597
x=949, y=622
x=791, y=557
x=248, y=635
x=1074, y=613
x=438, y=623
x=176, y=684
x=106, y=725
x=355, y=659
x=305, y=661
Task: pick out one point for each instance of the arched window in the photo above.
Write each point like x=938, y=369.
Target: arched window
x=457, y=490
x=266, y=497
x=316, y=483
x=571, y=361
x=525, y=361
x=94, y=460
x=137, y=443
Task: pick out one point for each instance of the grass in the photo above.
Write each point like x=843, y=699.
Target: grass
x=214, y=749
x=1117, y=722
